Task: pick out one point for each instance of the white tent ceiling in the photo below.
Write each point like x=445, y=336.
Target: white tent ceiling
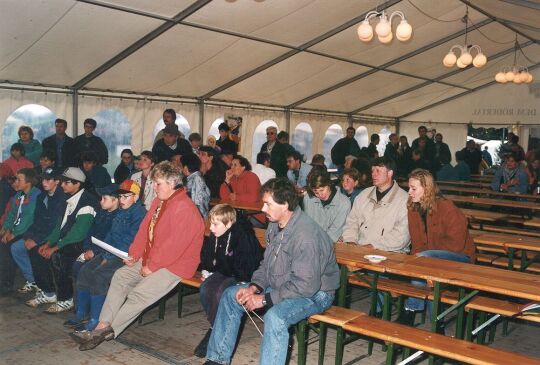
x=301, y=54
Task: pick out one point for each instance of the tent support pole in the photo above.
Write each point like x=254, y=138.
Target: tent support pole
x=201, y=119
x=75, y=104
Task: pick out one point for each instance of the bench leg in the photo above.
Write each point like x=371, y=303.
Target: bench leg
x=400, y=306
x=322, y=342
x=340, y=345
x=343, y=284
x=181, y=295
x=505, y=327
x=436, y=305
x=387, y=311
x=390, y=354
x=469, y=325
x=162, y=304
x=301, y=329
x=481, y=339
x=460, y=315
x=492, y=331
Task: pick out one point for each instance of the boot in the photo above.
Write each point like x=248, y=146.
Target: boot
x=200, y=350
x=96, y=303
x=407, y=318
x=82, y=309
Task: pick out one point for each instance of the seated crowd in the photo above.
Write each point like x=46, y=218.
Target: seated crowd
x=57, y=197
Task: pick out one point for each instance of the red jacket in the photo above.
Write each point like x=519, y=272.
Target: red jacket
x=447, y=229
x=178, y=237
x=247, y=188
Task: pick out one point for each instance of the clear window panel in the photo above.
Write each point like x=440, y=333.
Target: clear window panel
x=332, y=135
x=302, y=140
x=114, y=128
x=36, y=116
x=362, y=136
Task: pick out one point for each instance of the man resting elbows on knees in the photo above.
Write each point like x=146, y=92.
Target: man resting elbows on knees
x=297, y=278
x=166, y=248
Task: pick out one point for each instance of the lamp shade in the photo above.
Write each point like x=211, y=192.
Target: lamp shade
x=509, y=76
x=530, y=78
x=517, y=79
x=403, y=31
x=386, y=39
x=365, y=31
x=460, y=64
x=383, y=28
x=465, y=58
x=450, y=59
x=479, y=60
x=499, y=77
x=523, y=76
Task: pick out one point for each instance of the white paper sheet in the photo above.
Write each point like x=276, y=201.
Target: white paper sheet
x=116, y=252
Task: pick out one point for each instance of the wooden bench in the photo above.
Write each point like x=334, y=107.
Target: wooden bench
x=393, y=334
x=509, y=230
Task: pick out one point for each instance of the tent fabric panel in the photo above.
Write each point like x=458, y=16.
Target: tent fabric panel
x=429, y=64
x=347, y=45
x=86, y=37
x=33, y=19
x=413, y=100
x=290, y=22
x=362, y=92
x=166, y=8
x=526, y=15
x=174, y=63
x=292, y=79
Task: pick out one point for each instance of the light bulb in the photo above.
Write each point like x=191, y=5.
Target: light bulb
x=460, y=64
x=450, y=59
x=523, y=76
x=499, y=77
x=365, y=31
x=383, y=28
x=403, y=31
x=466, y=58
x=386, y=39
x=509, y=76
x=530, y=79
x=517, y=79
x=479, y=60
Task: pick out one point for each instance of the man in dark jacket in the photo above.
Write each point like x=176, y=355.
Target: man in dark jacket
x=225, y=142
x=427, y=148
x=391, y=150
x=64, y=244
x=442, y=152
x=213, y=170
x=344, y=147
x=296, y=279
x=171, y=144
x=472, y=156
x=62, y=144
x=96, y=176
x=88, y=142
x=277, y=152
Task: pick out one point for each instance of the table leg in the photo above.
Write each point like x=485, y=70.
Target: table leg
x=343, y=283
x=511, y=253
x=435, y=306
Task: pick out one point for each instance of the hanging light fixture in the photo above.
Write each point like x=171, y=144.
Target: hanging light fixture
x=465, y=52
x=515, y=73
x=384, y=27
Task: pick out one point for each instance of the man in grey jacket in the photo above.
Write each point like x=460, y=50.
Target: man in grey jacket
x=297, y=278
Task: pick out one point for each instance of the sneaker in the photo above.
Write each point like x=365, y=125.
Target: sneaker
x=27, y=288
x=61, y=306
x=39, y=299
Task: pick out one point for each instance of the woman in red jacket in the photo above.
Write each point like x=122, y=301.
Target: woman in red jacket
x=241, y=185
x=437, y=227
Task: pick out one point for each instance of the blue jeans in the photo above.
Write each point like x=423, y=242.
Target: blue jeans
x=20, y=256
x=415, y=304
x=277, y=321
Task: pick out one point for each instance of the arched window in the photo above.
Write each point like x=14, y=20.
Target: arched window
x=181, y=122
x=361, y=136
x=38, y=117
x=214, y=127
x=302, y=140
x=259, y=137
x=113, y=127
x=331, y=136
x=383, y=135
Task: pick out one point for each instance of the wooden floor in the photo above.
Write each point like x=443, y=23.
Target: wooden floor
x=29, y=336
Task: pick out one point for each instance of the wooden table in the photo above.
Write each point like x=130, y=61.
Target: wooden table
x=531, y=206
x=475, y=184
x=465, y=276
x=471, y=191
x=247, y=207
x=484, y=215
x=535, y=222
x=511, y=243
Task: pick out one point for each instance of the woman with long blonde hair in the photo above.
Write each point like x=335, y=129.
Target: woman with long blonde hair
x=437, y=227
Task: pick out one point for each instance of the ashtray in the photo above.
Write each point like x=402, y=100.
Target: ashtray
x=375, y=258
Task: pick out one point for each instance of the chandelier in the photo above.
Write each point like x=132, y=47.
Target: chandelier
x=515, y=73
x=384, y=27
x=465, y=52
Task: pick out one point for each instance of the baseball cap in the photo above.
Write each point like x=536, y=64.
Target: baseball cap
x=73, y=173
x=129, y=186
x=109, y=190
x=171, y=129
x=49, y=173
